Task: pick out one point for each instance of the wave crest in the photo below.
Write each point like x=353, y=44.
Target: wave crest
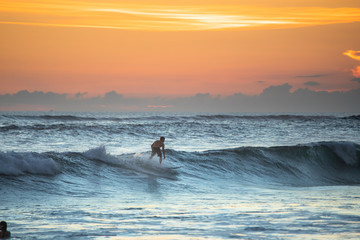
x=314, y=164
x=17, y=163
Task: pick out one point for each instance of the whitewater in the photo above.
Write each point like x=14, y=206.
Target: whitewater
x=66, y=175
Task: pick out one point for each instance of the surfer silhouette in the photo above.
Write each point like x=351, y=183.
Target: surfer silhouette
x=4, y=233
x=155, y=148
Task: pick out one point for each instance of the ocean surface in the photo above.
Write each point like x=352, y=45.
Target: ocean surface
x=225, y=176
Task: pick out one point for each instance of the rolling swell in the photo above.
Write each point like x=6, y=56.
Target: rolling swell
x=314, y=164
x=323, y=163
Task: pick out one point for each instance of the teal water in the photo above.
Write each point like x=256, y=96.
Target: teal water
x=235, y=176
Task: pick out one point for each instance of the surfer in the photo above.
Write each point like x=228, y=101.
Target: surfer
x=155, y=148
x=4, y=233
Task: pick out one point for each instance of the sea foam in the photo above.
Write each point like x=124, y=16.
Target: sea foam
x=20, y=163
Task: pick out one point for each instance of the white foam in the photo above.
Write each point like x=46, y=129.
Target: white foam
x=17, y=163
x=99, y=153
x=138, y=162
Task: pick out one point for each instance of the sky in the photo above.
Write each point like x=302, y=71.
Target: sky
x=172, y=50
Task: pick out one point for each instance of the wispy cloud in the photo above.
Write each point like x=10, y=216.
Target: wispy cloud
x=187, y=19
x=356, y=72
x=312, y=76
x=166, y=17
x=353, y=54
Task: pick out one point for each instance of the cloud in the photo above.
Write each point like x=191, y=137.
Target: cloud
x=158, y=106
x=171, y=15
x=353, y=54
x=356, y=80
x=312, y=76
x=112, y=97
x=311, y=83
x=188, y=19
x=277, y=91
x=272, y=99
x=356, y=72
x=37, y=97
x=80, y=95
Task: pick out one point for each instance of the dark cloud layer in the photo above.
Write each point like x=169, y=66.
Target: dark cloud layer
x=312, y=76
x=311, y=83
x=272, y=99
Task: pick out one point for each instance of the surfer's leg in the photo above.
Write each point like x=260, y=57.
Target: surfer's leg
x=159, y=154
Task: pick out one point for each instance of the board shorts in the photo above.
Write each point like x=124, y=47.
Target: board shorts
x=156, y=150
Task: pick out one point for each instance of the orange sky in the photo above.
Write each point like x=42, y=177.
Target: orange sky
x=175, y=48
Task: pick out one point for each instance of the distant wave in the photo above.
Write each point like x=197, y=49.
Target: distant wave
x=49, y=117
x=313, y=164
x=269, y=117
x=67, y=117
x=40, y=127
x=68, y=122
x=353, y=117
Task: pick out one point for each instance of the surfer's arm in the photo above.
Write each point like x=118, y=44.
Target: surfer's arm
x=163, y=150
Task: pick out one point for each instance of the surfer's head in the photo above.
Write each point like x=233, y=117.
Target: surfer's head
x=3, y=226
x=162, y=139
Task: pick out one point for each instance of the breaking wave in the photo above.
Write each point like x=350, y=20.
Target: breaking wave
x=313, y=164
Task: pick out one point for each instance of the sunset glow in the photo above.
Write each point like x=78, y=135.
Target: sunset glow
x=161, y=48
x=168, y=17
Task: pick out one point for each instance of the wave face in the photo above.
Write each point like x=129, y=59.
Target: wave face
x=315, y=164
x=323, y=163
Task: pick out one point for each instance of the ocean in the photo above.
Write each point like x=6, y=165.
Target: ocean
x=66, y=175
